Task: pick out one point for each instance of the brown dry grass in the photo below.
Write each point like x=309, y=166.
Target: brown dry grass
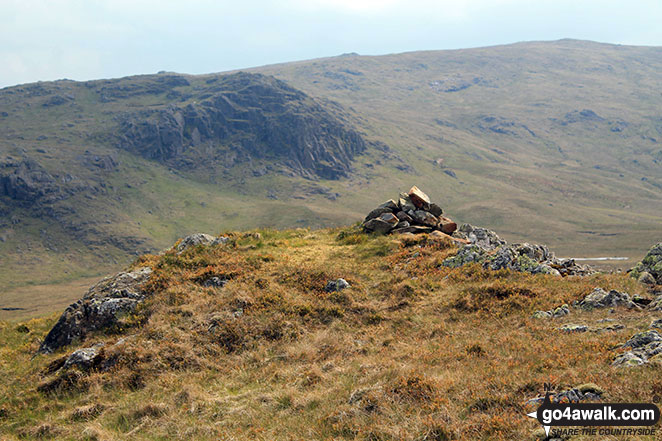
x=412, y=351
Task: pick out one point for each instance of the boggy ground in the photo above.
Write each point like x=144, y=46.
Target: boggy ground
x=411, y=351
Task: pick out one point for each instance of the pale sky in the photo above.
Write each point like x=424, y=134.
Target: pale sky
x=89, y=39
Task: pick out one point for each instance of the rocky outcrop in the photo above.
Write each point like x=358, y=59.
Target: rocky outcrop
x=412, y=213
x=644, y=347
x=486, y=248
x=649, y=270
x=249, y=116
x=104, y=306
x=26, y=182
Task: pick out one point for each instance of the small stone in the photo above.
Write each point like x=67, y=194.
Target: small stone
x=85, y=358
x=656, y=323
x=591, y=388
x=391, y=205
x=436, y=210
x=420, y=199
x=376, y=213
x=390, y=218
x=377, y=226
x=336, y=285
x=404, y=217
x=425, y=218
x=628, y=359
x=542, y=314
x=446, y=225
x=405, y=203
x=214, y=282
x=573, y=328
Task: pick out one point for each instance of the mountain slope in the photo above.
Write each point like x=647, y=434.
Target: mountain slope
x=554, y=142
x=93, y=172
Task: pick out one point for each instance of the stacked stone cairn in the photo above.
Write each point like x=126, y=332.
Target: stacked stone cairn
x=412, y=213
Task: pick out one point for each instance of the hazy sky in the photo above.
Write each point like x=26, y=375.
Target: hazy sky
x=86, y=39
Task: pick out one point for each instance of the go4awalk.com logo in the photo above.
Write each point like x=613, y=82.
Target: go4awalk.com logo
x=592, y=418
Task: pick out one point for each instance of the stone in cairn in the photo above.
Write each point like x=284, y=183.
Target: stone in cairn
x=412, y=213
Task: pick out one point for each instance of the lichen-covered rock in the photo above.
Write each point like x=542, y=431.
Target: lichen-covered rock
x=599, y=298
x=559, y=311
x=650, y=265
x=85, y=358
x=336, y=285
x=483, y=238
x=200, y=239
x=573, y=328
x=642, y=339
x=104, y=306
x=644, y=346
x=494, y=253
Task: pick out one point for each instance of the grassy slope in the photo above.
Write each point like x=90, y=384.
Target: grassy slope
x=520, y=185
x=408, y=352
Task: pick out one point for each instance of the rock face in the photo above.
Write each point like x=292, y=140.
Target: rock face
x=249, y=116
x=26, y=182
x=488, y=249
x=412, y=213
x=102, y=307
x=649, y=270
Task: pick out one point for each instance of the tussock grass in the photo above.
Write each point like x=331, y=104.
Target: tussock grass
x=411, y=351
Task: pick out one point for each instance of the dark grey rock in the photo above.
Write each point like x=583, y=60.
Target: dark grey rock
x=376, y=213
x=435, y=210
x=103, y=307
x=404, y=217
x=378, y=225
x=214, y=282
x=425, y=218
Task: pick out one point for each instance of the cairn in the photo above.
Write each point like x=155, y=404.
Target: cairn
x=412, y=213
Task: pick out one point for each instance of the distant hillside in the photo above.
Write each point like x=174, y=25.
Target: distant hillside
x=557, y=142
x=93, y=172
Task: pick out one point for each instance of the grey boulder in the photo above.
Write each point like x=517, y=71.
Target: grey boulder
x=104, y=306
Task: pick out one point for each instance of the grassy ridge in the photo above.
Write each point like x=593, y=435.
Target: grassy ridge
x=411, y=351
